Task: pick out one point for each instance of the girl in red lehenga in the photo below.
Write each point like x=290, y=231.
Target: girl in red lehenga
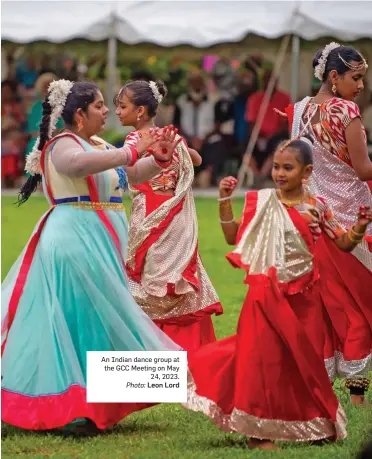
x=166, y=275
x=269, y=381
x=343, y=175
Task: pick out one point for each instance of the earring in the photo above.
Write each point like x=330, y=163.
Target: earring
x=138, y=118
x=334, y=89
x=80, y=125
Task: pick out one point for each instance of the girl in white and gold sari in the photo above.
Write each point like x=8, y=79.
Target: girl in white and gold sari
x=167, y=277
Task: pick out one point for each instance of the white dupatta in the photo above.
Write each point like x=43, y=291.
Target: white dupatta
x=271, y=240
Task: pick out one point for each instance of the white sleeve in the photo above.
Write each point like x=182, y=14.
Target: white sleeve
x=70, y=159
x=144, y=170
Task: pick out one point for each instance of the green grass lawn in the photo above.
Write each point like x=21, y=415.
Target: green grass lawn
x=166, y=431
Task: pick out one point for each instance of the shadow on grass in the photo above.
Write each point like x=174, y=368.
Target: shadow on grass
x=128, y=428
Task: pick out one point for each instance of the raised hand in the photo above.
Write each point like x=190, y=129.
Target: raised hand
x=364, y=216
x=164, y=147
x=148, y=139
x=227, y=186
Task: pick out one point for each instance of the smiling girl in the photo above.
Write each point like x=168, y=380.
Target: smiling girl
x=269, y=381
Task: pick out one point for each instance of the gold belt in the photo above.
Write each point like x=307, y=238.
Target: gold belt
x=88, y=205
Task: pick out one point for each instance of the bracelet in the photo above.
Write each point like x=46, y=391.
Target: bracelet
x=357, y=234
x=361, y=383
x=224, y=222
x=134, y=152
x=228, y=198
x=352, y=239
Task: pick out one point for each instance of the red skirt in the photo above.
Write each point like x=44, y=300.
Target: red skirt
x=190, y=331
x=346, y=294
x=269, y=381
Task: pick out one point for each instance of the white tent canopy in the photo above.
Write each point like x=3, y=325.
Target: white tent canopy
x=198, y=23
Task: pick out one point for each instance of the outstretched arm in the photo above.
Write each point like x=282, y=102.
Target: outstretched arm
x=71, y=160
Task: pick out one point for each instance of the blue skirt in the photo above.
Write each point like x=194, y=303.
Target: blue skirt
x=75, y=300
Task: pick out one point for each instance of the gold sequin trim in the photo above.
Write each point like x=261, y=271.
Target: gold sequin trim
x=270, y=429
x=96, y=205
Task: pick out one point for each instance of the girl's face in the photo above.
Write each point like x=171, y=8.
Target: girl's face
x=94, y=119
x=350, y=84
x=288, y=172
x=126, y=111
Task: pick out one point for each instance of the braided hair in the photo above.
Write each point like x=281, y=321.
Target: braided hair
x=34, y=180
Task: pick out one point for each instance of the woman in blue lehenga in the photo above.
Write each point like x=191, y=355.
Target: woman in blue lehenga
x=67, y=293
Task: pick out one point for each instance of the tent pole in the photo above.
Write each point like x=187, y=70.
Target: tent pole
x=111, y=71
x=296, y=46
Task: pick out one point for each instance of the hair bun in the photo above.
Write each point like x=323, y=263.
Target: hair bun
x=162, y=88
x=317, y=56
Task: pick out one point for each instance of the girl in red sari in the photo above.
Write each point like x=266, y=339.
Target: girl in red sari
x=343, y=175
x=269, y=381
x=166, y=275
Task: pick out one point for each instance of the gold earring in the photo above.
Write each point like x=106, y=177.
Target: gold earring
x=80, y=125
x=334, y=89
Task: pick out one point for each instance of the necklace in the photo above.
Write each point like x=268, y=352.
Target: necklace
x=290, y=202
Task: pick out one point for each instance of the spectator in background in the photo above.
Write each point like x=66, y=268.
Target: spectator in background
x=13, y=137
x=247, y=85
x=26, y=72
x=143, y=75
x=46, y=65
x=195, y=117
x=273, y=129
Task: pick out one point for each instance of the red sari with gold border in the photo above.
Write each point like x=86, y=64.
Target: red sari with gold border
x=269, y=381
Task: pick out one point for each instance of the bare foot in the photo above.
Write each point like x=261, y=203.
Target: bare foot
x=359, y=400
x=267, y=445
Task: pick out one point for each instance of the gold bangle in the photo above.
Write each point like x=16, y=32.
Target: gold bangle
x=352, y=239
x=357, y=234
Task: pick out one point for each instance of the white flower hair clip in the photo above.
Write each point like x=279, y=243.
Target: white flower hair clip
x=32, y=165
x=58, y=93
x=155, y=91
x=322, y=61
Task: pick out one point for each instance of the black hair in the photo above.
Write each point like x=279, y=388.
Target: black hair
x=303, y=150
x=12, y=85
x=142, y=94
x=81, y=95
x=347, y=53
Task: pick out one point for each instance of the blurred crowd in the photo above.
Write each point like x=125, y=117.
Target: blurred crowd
x=215, y=113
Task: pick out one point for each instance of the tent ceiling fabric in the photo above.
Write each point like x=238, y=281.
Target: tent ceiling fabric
x=197, y=23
